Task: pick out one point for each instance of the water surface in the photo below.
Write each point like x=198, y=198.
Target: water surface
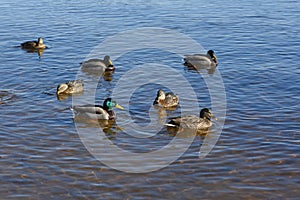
x=257, y=154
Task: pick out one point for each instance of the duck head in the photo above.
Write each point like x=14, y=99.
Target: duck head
x=61, y=88
x=213, y=56
x=108, y=63
x=108, y=104
x=40, y=41
x=40, y=44
x=161, y=95
x=205, y=113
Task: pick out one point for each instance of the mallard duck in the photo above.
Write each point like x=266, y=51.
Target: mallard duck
x=34, y=45
x=98, y=64
x=166, y=100
x=192, y=121
x=98, y=112
x=196, y=60
x=70, y=87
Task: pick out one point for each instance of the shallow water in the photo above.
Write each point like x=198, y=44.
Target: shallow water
x=42, y=152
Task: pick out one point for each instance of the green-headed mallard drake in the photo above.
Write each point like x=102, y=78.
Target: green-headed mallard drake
x=98, y=112
x=70, y=87
x=34, y=45
x=98, y=64
x=166, y=100
x=192, y=121
x=196, y=60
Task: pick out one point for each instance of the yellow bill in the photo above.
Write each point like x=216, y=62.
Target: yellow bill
x=118, y=106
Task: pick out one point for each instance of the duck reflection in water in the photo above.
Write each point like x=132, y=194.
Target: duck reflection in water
x=187, y=133
x=108, y=126
x=201, y=69
x=38, y=51
x=107, y=75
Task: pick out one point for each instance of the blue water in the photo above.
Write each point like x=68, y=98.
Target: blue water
x=42, y=155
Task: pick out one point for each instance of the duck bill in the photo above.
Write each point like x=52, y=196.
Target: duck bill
x=118, y=106
x=215, y=58
x=213, y=117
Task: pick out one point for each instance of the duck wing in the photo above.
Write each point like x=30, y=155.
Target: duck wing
x=189, y=122
x=75, y=83
x=179, y=121
x=29, y=44
x=92, y=60
x=93, y=67
x=95, y=112
x=75, y=86
x=194, y=122
x=204, y=124
x=171, y=99
x=198, y=59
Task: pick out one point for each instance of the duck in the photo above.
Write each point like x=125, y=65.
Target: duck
x=34, y=45
x=166, y=100
x=104, y=65
x=70, y=87
x=104, y=112
x=196, y=60
x=193, y=122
